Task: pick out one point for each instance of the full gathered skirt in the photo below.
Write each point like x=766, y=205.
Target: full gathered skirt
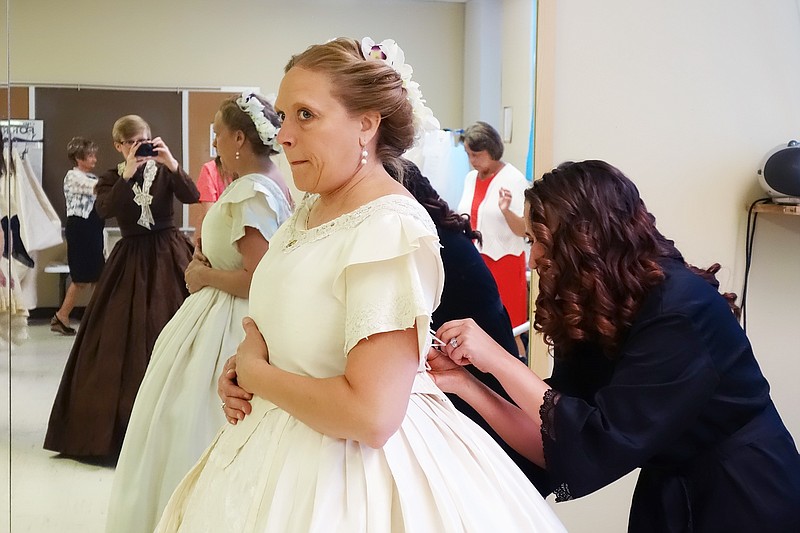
x=316, y=294
x=177, y=412
x=438, y=473
x=139, y=291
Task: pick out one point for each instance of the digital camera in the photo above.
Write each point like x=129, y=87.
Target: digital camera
x=146, y=150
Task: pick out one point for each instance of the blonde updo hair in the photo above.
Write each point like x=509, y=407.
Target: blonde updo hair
x=362, y=86
x=128, y=127
x=238, y=120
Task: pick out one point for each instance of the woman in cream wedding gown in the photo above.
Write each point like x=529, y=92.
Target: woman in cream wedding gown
x=176, y=413
x=343, y=299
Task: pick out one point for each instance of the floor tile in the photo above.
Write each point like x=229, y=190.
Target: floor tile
x=47, y=493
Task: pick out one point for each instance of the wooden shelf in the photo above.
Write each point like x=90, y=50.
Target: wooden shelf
x=777, y=209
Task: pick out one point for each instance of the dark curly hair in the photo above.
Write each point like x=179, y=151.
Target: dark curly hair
x=710, y=275
x=601, y=252
x=439, y=210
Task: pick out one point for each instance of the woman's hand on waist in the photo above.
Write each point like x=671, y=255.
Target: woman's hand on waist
x=235, y=400
x=195, y=275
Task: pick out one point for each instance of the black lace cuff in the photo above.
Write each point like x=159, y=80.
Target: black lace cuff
x=562, y=493
x=547, y=412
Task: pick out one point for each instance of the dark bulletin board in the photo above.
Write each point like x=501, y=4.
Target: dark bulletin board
x=91, y=113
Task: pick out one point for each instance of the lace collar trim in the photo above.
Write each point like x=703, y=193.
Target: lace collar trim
x=141, y=195
x=397, y=203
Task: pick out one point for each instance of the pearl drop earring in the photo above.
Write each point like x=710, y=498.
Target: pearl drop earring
x=364, y=155
x=237, y=155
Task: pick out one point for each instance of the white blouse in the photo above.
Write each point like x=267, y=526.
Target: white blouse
x=498, y=239
x=79, y=192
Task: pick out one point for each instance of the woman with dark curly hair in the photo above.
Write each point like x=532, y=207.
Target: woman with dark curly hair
x=651, y=370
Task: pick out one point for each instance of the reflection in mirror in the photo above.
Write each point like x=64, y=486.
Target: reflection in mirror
x=73, y=70
x=5, y=289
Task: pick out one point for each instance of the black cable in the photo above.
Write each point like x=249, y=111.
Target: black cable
x=750, y=234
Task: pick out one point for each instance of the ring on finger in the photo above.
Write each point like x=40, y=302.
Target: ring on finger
x=222, y=406
x=454, y=342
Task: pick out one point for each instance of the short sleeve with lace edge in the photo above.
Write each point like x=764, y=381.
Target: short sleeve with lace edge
x=391, y=273
x=257, y=202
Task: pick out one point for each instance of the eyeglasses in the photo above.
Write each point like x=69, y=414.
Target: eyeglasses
x=132, y=141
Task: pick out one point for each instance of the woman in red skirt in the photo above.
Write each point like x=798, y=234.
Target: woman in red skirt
x=493, y=197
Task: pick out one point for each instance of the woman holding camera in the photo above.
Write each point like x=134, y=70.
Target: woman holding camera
x=177, y=411
x=139, y=290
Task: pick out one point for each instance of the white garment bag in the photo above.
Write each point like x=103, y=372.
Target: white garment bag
x=39, y=225
x=443, y=160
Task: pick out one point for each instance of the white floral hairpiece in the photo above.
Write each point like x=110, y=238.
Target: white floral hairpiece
x=267, y=131
x=390, y=53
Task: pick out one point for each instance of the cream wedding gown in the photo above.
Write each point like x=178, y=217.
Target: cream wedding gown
x=315, y=295
x=177, y=413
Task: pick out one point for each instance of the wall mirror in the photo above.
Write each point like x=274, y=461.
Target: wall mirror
x=5, y=346
x=72, y=68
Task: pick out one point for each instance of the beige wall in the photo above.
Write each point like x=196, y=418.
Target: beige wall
x=517, y=78
x=687, y=97
x=205, y=43
x=483, y=68
x=212, y=43
x=497, y=70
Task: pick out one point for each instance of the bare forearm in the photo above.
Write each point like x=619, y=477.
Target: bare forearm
x=331, y=406
x=235, y=282
x=525, y=388
x=197, y=213
x=513, y=425
x=516, y=223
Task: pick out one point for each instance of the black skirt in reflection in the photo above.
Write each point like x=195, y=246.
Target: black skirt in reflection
x=85, y=247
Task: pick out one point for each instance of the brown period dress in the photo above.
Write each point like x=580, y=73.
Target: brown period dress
x=141, y=287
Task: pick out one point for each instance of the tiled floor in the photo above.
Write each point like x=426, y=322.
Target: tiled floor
x=48, y=494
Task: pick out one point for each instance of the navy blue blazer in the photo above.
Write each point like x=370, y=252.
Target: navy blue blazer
x=686, y=401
